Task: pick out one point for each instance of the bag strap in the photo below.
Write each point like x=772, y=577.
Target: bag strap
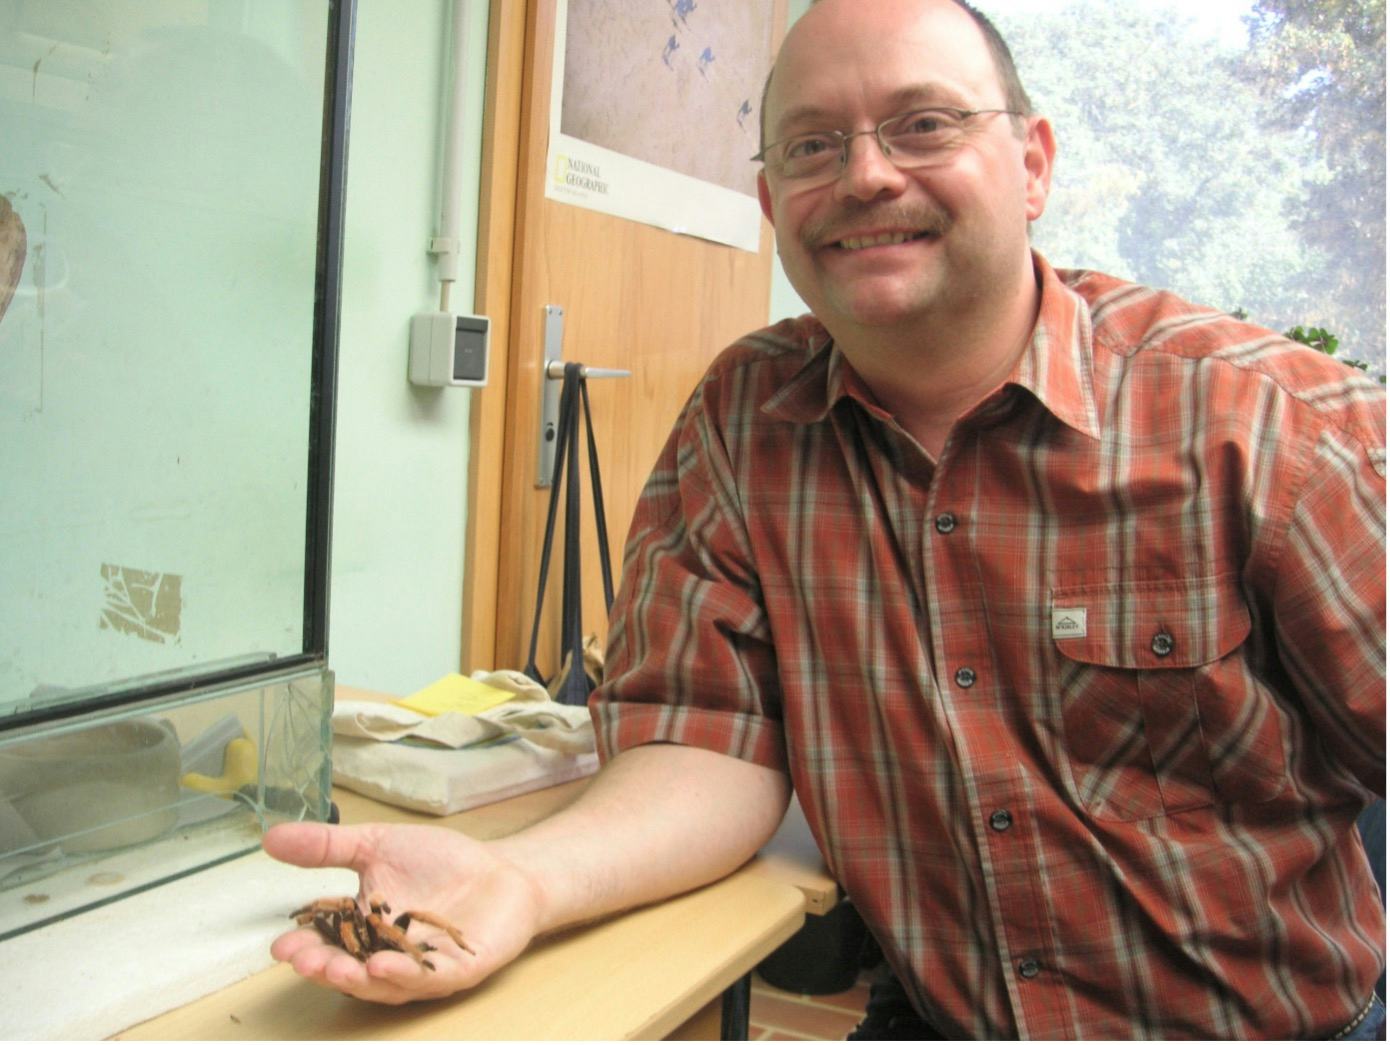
x=562, y=439
x=600, y=518
x=576, y=686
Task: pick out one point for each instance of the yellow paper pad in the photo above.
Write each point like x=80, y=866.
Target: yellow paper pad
x=454, y=693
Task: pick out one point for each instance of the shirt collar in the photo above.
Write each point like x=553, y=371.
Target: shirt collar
x=1056, y=366
x=807, y=397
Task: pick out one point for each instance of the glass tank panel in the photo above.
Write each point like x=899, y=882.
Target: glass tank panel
x=93, y=809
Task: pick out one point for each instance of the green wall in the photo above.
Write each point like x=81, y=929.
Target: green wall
x=395, y=616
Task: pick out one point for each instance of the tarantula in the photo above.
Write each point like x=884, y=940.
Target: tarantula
x=340, y=921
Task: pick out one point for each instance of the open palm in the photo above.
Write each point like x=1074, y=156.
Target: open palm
x=416, y=868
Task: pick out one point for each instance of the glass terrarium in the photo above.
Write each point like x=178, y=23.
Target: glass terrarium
x=171, y=203
x=96, y=808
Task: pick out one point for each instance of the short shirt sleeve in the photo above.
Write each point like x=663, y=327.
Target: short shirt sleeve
x=690, y=658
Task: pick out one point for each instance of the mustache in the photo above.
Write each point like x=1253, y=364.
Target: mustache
x=853, y=218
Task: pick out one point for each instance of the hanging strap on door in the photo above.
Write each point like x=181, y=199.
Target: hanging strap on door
x=600, y=518
x=576, y=686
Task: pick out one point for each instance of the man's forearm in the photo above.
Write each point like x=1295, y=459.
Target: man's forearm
x=657, y=820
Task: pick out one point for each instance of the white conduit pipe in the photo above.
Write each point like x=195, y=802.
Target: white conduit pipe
x=445, y=245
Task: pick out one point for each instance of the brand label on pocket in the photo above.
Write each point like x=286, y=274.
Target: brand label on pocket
x=1069, y=622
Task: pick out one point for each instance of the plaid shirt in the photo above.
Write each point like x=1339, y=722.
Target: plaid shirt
x=1082, y=713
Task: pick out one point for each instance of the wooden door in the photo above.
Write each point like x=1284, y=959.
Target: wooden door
x=635, y=297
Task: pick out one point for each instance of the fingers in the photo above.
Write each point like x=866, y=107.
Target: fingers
x=332, y=967
x=285, y=946
x=396, y=977
x=307, y=844
x=388, y=977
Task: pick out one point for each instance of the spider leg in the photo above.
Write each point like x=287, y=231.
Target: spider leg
x=392, y=938
x=327, y=925
x=352, y=942
x=341, y=904
x=340, y=921
x=439, y=923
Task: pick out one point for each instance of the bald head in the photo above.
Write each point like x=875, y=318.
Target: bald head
x=1015, y=96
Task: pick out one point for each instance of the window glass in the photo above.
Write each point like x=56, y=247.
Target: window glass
x=159, y=223
x=1231, y=151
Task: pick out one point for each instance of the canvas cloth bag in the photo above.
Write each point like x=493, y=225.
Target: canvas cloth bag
x=446, y=763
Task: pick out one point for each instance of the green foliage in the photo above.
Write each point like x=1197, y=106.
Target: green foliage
x=1325, y=341
x=1321, y=66
x=1164, y=174
x=1315, y=337
x=1225, y=179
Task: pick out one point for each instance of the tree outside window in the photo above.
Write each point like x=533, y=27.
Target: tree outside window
x=1244, y=170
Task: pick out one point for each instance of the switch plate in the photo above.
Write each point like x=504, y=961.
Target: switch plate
x=449, y=350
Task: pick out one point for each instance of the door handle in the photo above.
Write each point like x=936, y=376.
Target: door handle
x=553, y=369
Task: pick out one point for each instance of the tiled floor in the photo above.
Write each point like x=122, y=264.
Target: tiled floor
x=776, y=1015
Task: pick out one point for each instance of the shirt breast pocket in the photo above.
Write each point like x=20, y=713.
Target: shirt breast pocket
x=1148, y=671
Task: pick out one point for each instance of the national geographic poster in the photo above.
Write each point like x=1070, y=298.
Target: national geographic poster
x=654, y=112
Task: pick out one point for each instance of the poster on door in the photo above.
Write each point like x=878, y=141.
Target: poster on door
x=654, y=112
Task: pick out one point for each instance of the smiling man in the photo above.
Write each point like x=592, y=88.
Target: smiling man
x=909, y=241
x=1059, y=601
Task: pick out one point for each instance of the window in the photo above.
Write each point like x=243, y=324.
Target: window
x=1231, y=151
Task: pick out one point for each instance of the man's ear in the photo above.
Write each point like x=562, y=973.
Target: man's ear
x=765, y=198
x=1038, y=152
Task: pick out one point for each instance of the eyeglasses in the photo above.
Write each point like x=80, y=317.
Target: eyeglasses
x=912, y=139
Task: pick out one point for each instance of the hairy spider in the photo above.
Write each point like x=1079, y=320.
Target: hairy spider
x=340, y=921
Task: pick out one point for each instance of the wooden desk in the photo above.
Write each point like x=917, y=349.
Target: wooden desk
x=652, y=973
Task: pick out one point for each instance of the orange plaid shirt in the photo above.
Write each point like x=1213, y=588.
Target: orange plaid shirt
x=1082, y=713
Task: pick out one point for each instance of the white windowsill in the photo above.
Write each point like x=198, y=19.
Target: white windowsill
x=97, y=973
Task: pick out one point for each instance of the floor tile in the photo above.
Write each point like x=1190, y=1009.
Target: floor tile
x=778, y=1015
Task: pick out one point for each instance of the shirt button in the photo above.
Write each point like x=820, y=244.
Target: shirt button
x=1162, y=644
x=965, y=677
x=945, y=522
x=1029, y=967
x=1001, y=820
